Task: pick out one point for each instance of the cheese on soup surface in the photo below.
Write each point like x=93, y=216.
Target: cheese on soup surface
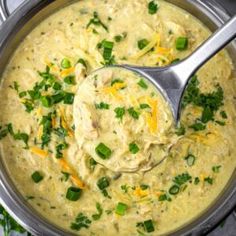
x=99, y=153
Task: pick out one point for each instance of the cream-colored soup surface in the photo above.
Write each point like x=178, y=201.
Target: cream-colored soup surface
x=99, y=154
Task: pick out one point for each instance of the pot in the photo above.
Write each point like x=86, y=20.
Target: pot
x=13, y=30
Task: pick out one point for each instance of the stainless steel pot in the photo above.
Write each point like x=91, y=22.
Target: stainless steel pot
x=13, y=30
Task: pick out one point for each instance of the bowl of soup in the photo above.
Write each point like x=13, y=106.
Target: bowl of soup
x=98, y=153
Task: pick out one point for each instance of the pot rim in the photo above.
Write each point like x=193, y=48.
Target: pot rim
x=18, y=207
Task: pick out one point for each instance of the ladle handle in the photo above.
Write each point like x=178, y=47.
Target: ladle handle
x=4, y=12
x=209, y=48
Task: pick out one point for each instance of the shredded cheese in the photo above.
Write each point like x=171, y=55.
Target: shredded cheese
x=155, y=40
x=39, y=152
x=67, y=72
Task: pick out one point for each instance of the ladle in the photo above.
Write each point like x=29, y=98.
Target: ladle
x=173, y=79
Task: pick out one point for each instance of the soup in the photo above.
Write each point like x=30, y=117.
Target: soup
x=99, y=153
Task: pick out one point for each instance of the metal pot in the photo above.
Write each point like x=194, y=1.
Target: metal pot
x=13, y=30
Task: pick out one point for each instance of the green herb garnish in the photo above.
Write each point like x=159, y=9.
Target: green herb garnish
x=97, y=22
x=102, y=106
x=153, y=7
x=120, y=112
x=209, y=180
x=103, y=151
x=190, y=159
x=146, y=226
x=142, y=43
x=81, y=221
x=133, y=148
x=100, y=211
x=69, y=98
x=181, y=43
x=216, y=169
x=144, y=106
x=142, y=84
x=73, y=194
x=182, y=179
x=70, y=79
x=65, y=63
x=121, y=208
x=133, y=113
x=37, y=177
x=174, y=190
x=103, y=183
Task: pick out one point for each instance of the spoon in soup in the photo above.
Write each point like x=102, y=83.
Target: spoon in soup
x=172, y=80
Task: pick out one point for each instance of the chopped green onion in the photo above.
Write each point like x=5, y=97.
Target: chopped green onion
x=83, y=62
x=120, y=112
x=37, y=177
x=175, y=61
x=148, y=226
x=216, y=169
x=22, y=94
x=73, y=194
x=46, y=101
x=142, y=43
x=181, y=43
x=70, y=79
x=57, y=86
x=103, y=183
x=102, y=106
x=223, y=115
x=196, y=181
x=121, y=208
x=198, y=126
x=65, y=63
x=103, y=151
x=69, y=98
x=116, y=81
x=180, y=130
x=144, y=106
x=96, y=21
x=142, y=84
x=58, y=97
x=190, y=159
x=153, y=7
x=174, y=190
x=133, y=148
x=133, y=113
x=209, y=180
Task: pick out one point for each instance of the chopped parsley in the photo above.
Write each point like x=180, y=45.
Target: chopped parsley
x=9, y=224
x=182, y=179
x=98, y=215
x=133, y=148
x=81, y=221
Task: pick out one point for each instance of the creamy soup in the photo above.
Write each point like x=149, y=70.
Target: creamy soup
x=99, y=153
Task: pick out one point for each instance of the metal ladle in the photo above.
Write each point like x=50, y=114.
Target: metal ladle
x=172, y=80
